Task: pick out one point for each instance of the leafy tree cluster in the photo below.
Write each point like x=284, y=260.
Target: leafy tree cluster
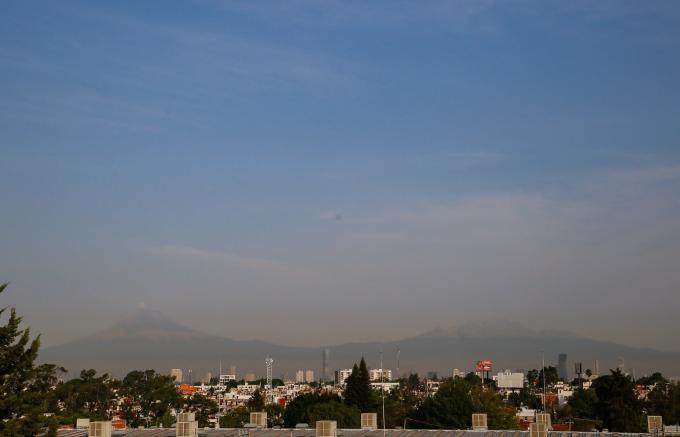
x=535, y=376
x=664, y=400
x=310, y=407
x=611, y=403
x=154, y=393
x=87, y=396
x=25, y=388
x=455, y=402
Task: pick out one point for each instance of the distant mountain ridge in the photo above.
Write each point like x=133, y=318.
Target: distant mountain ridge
x=495, y=329
x=149, y=339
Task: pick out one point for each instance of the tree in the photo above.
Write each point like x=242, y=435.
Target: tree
x=653, y=379
x=581, y=405
x=202, y=406
x=617, y=403
x=88, y=395
x=298, y=410
x=154, y=393
x=524, y=398
x=256, y=401
x=347, y=416
x=451, y=407
x=473, y=379
x=499, y=415
x=358, y=388
x=402, y=402
x=274, y=414
x=664, y=400
x=25, y=389
x=235, y=418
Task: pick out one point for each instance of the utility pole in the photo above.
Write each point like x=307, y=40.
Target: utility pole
x=543, y=372
x=382, y=391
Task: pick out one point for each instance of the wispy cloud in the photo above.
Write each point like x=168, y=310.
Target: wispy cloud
x=228, y=260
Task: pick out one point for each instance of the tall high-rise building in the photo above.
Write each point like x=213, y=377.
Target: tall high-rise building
x=177, y=374
x=324, y=364
x=562, y=367
x=300, y=376
x=309, y=376
x=232, y=370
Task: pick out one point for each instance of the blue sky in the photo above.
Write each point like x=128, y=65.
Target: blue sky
x=488, y=159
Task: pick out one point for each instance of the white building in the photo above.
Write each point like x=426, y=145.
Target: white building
x=309, y=376
x=386, y=386
x=508, y=380
x=177, y=374
x=343, y=375
x=224, y=379
x=456, y=373
x=380, y=375
x=300, y=376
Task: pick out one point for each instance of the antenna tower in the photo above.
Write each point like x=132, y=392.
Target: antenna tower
x=269, y=362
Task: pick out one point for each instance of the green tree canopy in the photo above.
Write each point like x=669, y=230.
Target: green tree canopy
x=618, y=406
x=358, y=388
x=451, y=407
x=298, y=410
x=154, y=393
x=25, y=389
x=87, y=396
x=202, y=406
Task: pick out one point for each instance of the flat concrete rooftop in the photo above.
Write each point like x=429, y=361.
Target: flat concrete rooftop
x=242, y=432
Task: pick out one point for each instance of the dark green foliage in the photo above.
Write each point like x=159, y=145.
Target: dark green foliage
x=618, y=406
x=274, y=414
x=202, y=406
x=535, y=376
x=402, y=402
x=524, y=398
x=654, y=378
x=154, y=393
x=581, y=405
x=358, y=388
x=347, y=416
x=455, y=401
x=473, y=379
x=256, y=401
x=235, y=418
x=450, y=407
x=87, y=396
x=25, y=389
x=298, y=410
x=664, y=400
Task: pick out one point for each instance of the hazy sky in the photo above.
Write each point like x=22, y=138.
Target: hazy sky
x=311, y=172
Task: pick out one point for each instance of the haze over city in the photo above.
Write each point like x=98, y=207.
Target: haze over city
x=311, y=174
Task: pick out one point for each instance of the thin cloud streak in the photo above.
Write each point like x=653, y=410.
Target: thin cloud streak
x=228, y=260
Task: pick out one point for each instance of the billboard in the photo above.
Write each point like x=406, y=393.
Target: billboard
x=484, y=365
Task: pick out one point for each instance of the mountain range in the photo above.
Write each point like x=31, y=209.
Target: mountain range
x=150, y=340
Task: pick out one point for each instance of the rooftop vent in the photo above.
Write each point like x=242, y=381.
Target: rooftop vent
x=654, y=424
x=187, y=429
x=369, y=420
x=479, y=422
x=83, y=423
x=100, y=429
x=186, y=417
x=326, y=428
x=259, y=419
x=545, y=419
x=538, y=430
